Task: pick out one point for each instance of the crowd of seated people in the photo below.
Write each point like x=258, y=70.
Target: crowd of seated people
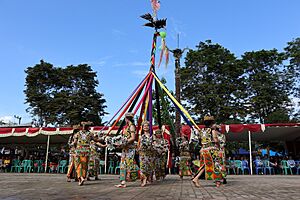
x=263, y=165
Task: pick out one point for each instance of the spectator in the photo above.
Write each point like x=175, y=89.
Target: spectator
x=1, y=164
x=291, y=162
x=7, y=163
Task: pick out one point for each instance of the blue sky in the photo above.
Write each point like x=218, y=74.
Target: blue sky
x=109, y=36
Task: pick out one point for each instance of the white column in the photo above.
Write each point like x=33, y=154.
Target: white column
x=250, y=152
x=47, y=151
x=105, y=160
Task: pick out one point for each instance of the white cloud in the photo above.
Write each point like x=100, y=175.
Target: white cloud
x=134, y=64
x=7, y=119
x=177, y=29
x=140, y=73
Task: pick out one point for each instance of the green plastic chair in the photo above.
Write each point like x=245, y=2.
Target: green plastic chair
x=101, y=166
x=15, y=165
x=28, y=166
x=267, y=166
x=117, y=167
x=38, y=166
x=62, y=166
x=111, y=167
x=285, y=167
x=22, y=166
x=238, y=166
x=230, y=166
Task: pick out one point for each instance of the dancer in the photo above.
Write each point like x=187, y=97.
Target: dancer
x=222, y=143
x=160, y=146
x=127, y=164
x=209, y=154
x=82, y=152
x=93, y=166
x=185, y=157
x=145, y=153
x=72, y=145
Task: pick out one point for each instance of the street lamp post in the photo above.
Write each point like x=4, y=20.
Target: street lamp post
x=19, y=118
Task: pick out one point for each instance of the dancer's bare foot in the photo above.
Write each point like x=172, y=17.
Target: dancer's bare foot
x=81, y=181
x=68, y=179
x=120, y=186
x=218, y=184
x=196, y=183
x=144, y=182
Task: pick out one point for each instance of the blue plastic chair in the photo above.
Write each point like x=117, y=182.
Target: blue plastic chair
x=267, y=166
x=298, y=166
x=258, y=166
x=245, y=166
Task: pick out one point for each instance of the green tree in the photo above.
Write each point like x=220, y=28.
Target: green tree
x=269, y=84
x=213, y=82
x=63, y=96
x=166, y=108
x=292, y=51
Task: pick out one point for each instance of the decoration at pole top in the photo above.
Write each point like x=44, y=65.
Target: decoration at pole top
x=157, y=24
x=155, y=7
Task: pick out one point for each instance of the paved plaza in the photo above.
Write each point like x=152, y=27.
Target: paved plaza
x=54, y=186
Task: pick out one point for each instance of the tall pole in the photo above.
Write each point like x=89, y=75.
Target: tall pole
x=177, y=53
x=250, y=152
x=177, y=93
x=156, y=24
x=47, y=152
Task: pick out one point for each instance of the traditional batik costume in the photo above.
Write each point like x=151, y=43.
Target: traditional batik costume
x=128, y=166
x=222, y=166
x=146, y=156
x=82, y=153
x=93, y=166
x=209, y=156
x=71, y=168
x=185, y=159
x=160, y=146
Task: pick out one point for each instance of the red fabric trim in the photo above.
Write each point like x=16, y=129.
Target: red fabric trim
x=33, y=130
x=253, y=127
x=20, y=130
x=48, y=129
x=5, y=130
x=236, y=128
x=283, y=124
x=65, y=129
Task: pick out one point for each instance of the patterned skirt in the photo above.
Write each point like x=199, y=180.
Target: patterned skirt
x=129, y=170
x=210, y=159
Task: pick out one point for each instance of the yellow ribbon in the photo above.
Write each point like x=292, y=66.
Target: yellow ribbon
x=175, y=101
